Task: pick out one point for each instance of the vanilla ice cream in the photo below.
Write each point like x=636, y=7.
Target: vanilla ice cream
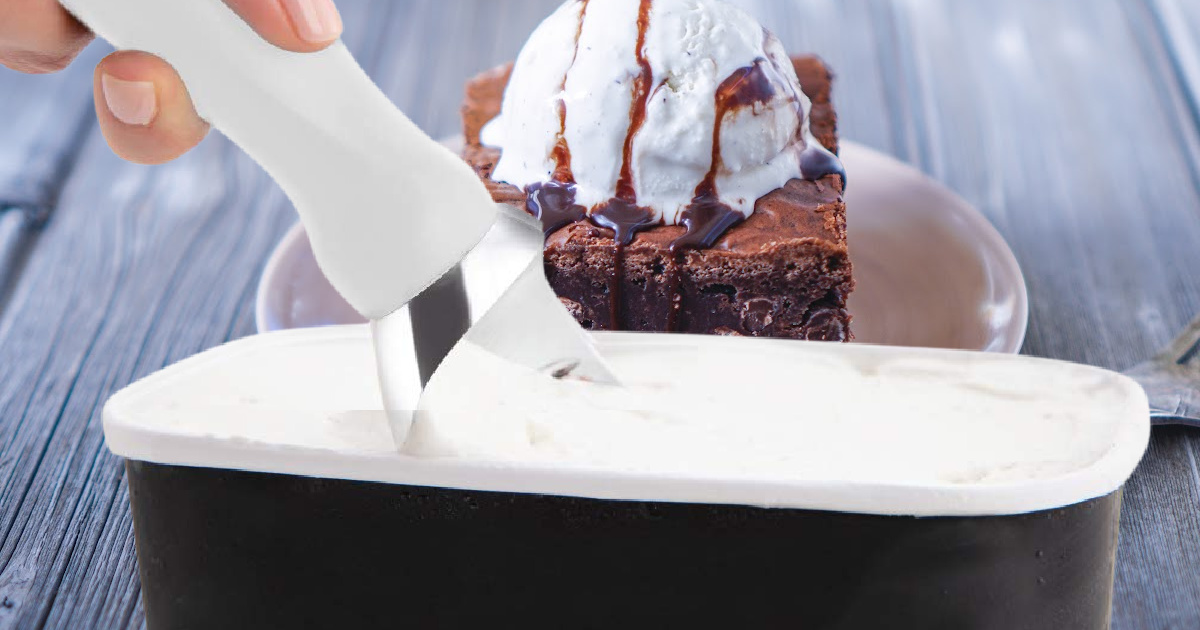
x=658, y=103
x=768, y=410
x=699, y=420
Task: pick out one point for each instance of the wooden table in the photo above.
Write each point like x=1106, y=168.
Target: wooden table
x=1074, y=124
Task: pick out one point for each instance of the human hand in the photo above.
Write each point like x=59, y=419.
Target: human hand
x=144, y=109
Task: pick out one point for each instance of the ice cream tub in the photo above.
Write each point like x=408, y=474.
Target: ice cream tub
x=267, y=490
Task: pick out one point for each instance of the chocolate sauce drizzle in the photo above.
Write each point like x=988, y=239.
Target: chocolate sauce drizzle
x=816, y=161
x=621, y=214
x=561, y=154
x=706, y=219
x=553, y=202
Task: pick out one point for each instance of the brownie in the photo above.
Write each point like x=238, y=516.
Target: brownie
x=783, y=272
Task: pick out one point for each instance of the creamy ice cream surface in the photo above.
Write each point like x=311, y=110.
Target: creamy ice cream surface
x=769, y=410
x=698, y=420
x=656, y=103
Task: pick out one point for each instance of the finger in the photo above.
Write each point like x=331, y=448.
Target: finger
x=144, y=109
x=39, y=36
x=295, y=25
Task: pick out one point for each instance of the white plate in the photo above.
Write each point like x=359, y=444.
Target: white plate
x=932, y=272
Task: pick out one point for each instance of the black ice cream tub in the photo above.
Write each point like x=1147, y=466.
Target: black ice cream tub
x=259, y=501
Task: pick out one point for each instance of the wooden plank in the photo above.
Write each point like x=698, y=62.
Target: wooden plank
x=1176, y=45
x=45, y=118
x=1037, y=145
x=16, y=226
x=1179, y=23
x=1063, y=122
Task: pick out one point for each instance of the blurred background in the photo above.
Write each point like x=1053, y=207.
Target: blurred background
x=1074, y=125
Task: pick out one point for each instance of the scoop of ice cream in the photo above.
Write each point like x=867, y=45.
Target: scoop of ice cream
x=657, y=103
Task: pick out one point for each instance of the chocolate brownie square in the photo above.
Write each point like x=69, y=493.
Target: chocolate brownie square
x=783, y=272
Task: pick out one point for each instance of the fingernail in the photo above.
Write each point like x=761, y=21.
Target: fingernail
x=131, y=102
x=316, y=21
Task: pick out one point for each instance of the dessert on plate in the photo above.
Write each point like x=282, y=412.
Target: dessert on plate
x=683, y=165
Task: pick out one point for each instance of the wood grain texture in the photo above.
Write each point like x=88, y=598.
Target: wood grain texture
x=17, y=227
x=1179, y=22
x=1074, y=125
x=44, y=120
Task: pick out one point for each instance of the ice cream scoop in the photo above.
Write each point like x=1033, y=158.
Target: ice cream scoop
x=387, y=209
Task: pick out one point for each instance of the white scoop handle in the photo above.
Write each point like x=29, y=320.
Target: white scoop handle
x=387, y=209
